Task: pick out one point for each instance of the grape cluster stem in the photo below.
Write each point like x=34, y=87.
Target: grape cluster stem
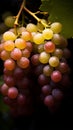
x=31, y=13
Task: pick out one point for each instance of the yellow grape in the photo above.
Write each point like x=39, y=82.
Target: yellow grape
x=20, y=43
x=9, y=36
x=38, y=38
x=31, y=27
x=44, y=57
x=9, y=45
x=47, y=34
x=26, y=36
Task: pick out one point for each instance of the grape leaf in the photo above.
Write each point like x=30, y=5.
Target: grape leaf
x=61, y=11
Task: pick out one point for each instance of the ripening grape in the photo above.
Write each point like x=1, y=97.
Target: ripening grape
x=40, y=48
x=5, y=55
x=63, y=67
x=29, y=46
x=35, y=59
x=38, y=38
x=56, y=27
x=8, y=35
x=16, y=54
x=54, y=61
x=31, y=27
x=56, y=76
x=9, y=64
x=12, y=92
x=26, y=36
x=47, y=70
x=9, y=45
x=21, y=29
x=20, y=43
x=49, y=47
x=23, y=62
x=47, y=34
x=44, y=57
x=58, y=52
x=4, y=89
x=25, y=53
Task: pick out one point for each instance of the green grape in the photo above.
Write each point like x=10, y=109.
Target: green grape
x=47, y=34
x=54, y=61
x=8, y=35
x=44, y=57
x=9, y=21
x=56, y=27
x=31, y=27
x=38, y=38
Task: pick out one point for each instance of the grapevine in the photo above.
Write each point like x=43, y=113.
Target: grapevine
x=35, y=62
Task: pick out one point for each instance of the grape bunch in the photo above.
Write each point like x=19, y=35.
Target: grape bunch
x=35, y=67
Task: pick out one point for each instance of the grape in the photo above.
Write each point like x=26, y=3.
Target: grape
x=4, y=89
x=35, y=59
x=47, y=34
x=44, y=57
x=9, y=21
x=9, y=64
x=38, y=38
x=63, y=67
x=56, y=76
x=8, y=35
x=47, y=70
x=46, y=89
x=54, y=61
x=26, y=36
x=49, y=47
x=18, y=73
x=9, y=81
x=57, y=94
x=5, y=55
x=23, y=62
x=20, y=43
x=66, y=53
x=29, y=46
x=16, y=54
x=9, y=45
x=21, y=99
x=43, y=80
x=58, y=53
x=31, y=27
x=56, y=27
x=40, y=48
x=49, y=101
x=12, y=93
x=25, y=53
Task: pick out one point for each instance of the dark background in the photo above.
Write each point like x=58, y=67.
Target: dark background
x=42, y=119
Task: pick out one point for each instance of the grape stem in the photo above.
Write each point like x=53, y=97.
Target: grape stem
x=18, y=15
x=34, y=15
